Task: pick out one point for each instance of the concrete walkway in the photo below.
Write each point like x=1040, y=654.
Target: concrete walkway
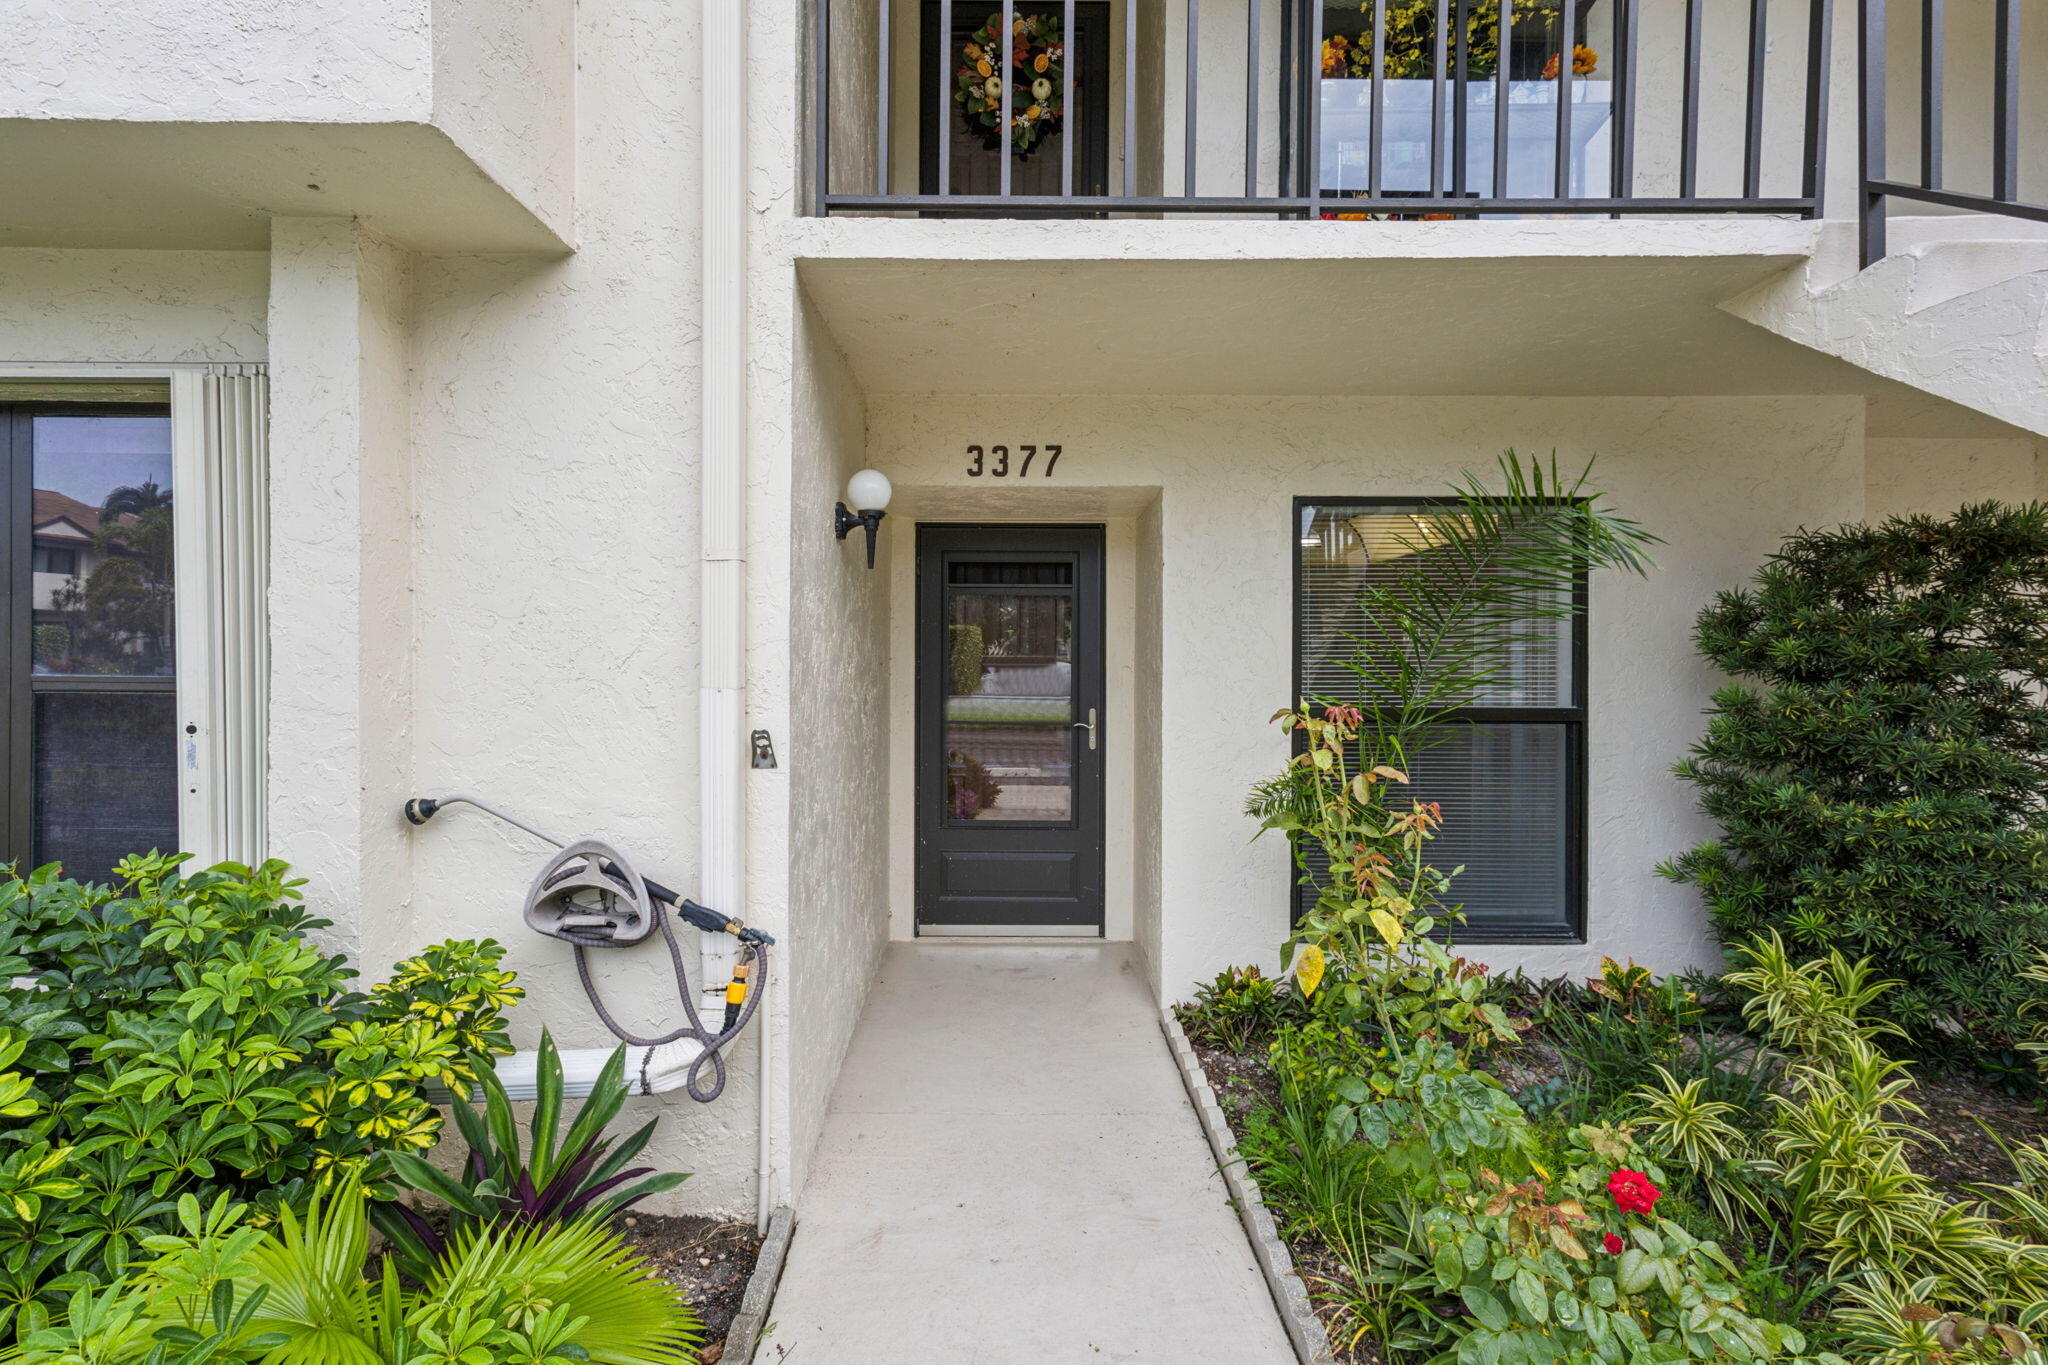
x=1011, y=1172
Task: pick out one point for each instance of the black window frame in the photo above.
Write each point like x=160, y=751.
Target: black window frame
x=20, y=684
x=1572, y=719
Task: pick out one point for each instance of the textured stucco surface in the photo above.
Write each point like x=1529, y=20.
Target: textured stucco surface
x=340, y=599
x=189, y=59
x=835, y=746
x=115, y=115
x=556, y=574
x=1722, y=479
x=1906, y=475
x=133, y=305
x=1965, y=320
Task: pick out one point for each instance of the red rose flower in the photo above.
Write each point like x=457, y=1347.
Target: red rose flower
x=1633, y=1192
x=1613, y=1244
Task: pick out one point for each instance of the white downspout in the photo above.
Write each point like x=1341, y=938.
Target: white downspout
x=721, y=694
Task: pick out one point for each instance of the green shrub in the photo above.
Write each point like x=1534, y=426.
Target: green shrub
x=964, y=660
x=1570, y=1268
x=1832, y=1171
x=1878, y=775
x=562, y=1177
x=223, y=1291
x=183, y=1035
x=1235, y=1010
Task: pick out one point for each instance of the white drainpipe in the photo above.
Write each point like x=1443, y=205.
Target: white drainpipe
x=721, y=695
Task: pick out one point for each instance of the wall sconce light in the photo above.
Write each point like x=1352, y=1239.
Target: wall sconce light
x=869, y=491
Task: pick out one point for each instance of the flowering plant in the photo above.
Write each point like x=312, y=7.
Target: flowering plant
x=1514, y=1255
x=1030, y=85
x=1584, y=61
x=1633, y=1192
x=1409, y=49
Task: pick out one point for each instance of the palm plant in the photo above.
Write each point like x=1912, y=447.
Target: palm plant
x=1487, y=572
x=580, y=1174
x=296, y=1295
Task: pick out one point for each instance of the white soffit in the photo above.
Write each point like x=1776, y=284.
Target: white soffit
x=92, y=183
x=1543, y=307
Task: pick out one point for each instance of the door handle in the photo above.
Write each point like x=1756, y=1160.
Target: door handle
x=1088, y=725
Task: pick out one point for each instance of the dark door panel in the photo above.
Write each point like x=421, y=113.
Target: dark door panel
x=1009, y=728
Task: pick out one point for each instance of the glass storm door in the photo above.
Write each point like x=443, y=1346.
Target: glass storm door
x=90, y=745
x=1010, y=730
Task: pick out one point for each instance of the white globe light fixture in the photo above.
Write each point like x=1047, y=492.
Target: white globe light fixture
x=869, y=492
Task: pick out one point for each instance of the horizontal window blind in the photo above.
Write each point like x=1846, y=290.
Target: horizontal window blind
x=1508, y=769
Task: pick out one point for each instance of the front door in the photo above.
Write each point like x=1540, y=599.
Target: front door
x=1010, y=730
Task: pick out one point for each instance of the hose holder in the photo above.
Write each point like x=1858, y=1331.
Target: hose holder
x=590, y=894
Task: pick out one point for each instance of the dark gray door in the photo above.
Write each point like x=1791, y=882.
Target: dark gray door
x=1010, y=730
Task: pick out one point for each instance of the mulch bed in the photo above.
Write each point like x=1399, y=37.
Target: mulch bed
x=1961, y=1155
x=707, y=1258
x=1243, y=1083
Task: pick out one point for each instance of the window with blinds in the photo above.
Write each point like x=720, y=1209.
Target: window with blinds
x=1508, y=770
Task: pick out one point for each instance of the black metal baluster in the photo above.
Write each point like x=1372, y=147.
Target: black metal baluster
x=1500, y=100
x=1130, y=100
x=1689, y=151
x=1753, y=117
x=1819, y=50
x=1006, y=67
x=1251, y=99
x=1313, y=161
x=883, y=8
x=1933, y=57
x=1462, y=99
x=2005, y=103
x=1624, y=157
x=1373, y=141
x=821, y=109
x=944, y=133
x=1290, y=118
x=1194, y=61
x=1567, y=43
x=1069, y=38
x=1439, y=79
x=1870, y=60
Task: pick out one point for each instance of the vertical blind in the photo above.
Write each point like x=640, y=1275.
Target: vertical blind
x=1507, y=769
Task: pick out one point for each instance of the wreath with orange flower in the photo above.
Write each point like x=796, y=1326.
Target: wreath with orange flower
x=1032, y=87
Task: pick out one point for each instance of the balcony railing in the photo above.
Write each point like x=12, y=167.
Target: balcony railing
x=1994, y=57
x=1320, y=108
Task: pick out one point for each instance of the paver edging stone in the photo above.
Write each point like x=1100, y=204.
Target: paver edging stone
x=1304, y=1329
x=744, y=1336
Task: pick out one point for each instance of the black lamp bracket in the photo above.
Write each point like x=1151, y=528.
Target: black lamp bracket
x=844, y=521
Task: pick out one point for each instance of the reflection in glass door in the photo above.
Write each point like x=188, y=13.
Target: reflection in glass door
x=1010, y=729
x=91, y=682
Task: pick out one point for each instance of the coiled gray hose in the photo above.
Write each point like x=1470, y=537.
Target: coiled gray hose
x=757, y=980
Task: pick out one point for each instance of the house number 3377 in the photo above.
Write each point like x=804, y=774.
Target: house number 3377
x=996, y=462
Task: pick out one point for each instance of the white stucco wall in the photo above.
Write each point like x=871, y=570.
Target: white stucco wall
x=188, y=59
x=497, y=77
x=556, y=572
x=132, y=305
x=341, y=522
x=1721, y=479
x=1939, y=476
x=835, y=747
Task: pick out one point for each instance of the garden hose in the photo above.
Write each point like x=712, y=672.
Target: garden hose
x=740, y=1004
x=590, y=896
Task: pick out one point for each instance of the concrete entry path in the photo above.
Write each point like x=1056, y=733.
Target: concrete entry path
x=1011, y=1172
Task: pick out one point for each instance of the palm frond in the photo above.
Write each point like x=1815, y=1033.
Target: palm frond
x=1488, y=570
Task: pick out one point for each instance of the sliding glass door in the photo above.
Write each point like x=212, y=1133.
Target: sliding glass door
x=90, y=747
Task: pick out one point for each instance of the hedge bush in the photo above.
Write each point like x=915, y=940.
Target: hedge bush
x=1878, y=770
x=177, y=1035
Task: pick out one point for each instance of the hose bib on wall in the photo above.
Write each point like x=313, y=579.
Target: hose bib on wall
x=590, y=896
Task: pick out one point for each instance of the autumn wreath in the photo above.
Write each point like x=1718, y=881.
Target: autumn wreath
x=1036, y=80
